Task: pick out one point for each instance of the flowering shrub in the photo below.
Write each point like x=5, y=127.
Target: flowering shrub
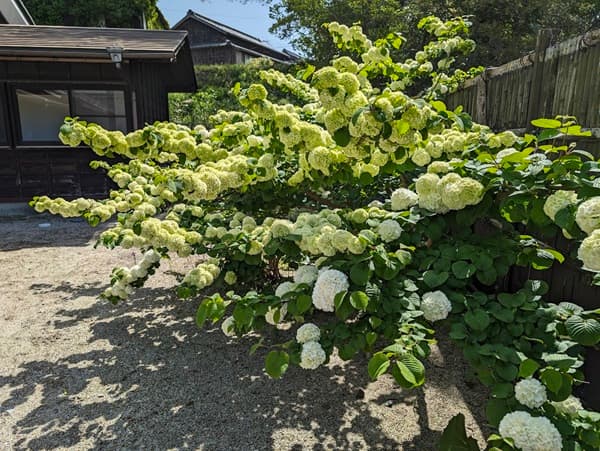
x=374, y=215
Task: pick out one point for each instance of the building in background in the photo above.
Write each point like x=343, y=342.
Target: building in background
x=118, y=78
x=215, y=43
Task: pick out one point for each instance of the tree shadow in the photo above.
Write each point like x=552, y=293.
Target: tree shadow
x=45, y=230
x=152, y=380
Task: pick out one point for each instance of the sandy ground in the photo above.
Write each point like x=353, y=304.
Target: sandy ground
x=78, y=373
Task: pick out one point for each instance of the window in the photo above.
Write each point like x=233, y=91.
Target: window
x=42, y=111
x=106, y=108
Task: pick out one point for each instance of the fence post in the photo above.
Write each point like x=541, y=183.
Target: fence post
x=544, y=39
x=481, y=101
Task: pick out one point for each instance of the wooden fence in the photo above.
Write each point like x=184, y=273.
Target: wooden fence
x=554, y=79
x=561, y=79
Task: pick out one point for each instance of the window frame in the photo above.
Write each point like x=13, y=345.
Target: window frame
x=4, y=117
x=14, y=106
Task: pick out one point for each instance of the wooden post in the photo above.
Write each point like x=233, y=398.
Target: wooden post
x=544, y=39
x=481, y=101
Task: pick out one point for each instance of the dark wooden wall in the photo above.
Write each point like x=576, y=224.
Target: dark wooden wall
x=27, y=171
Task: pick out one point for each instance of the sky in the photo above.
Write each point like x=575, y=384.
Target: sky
x=252, y=17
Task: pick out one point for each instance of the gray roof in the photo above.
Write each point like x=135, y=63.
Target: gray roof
x=80, y=42
x=14, y=12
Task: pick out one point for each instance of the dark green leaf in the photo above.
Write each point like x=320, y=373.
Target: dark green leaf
x=276, y=363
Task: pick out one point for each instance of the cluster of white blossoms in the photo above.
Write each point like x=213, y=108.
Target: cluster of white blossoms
x=306, y=274
x=589, y=251
x=403, y=199
x=530, y=433
x=289, y=83
x=588, y=215
x=389, y=230
x=203, y=275
x=329, y=283
x=531, y=393
x=450, y=192
x=570, y=406
x=312, y=355
x=559, y=200
x=124, y=278
x=435, y=306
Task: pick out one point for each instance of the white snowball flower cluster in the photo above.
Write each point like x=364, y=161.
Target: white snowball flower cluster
x=308, y=332
x=435, y=306
x=228, y=326
x=272, y=311
x=284, y=288
x=122, y=288
x=329, y=283
x=389, y=230
x=588, y=215
x=403, y=198
x=306, y=274
x=203, y=275
x=559, y=200
x=589, y=251
x=530, y=433
x=531, y=393
x=312, y=355
x=450, y=192
x=570, y=406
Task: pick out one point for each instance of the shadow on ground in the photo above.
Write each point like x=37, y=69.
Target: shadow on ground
x=166, y=384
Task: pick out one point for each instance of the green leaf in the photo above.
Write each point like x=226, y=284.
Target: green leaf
x=378, y=365
x=527, y=368
x=552, y=379
x=342, y=137
x=502, y=390
x=454, y=437
x=505, y=315
x=360, y=273
x=458, y=331
x=463, y=270
x=212, y=308
x=276, y=363
x=584, y=331
x=359, y=300
x=408, y=371
x=506, y=371
x=546, y=123
x=243, y=314
x=495, y=410
x=477, y=320
x=434, y=279
x=303, y=303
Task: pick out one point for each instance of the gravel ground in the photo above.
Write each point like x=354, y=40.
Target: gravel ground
x=78, y=373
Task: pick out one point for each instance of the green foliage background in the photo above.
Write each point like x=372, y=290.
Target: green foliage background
x=90, y=13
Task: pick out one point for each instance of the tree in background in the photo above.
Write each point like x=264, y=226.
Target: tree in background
x=503, y=29
x=90, y=13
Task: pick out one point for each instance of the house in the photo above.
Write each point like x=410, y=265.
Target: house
x=14, y=12
x=215, y=43
x=119, y=78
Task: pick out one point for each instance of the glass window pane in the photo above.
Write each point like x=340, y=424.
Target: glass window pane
x=42, y=112
x=98, y=103
x=109, y=123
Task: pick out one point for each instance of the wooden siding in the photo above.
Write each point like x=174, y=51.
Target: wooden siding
x=27, y=171
x=567, y=83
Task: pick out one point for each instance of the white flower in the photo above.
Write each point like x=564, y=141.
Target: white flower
x=589, y=251
x=530, y=433
x=531, y=393
x=306, y=274
x=270, y=315
x=312, y=355
x=557, y=201
x=329, y=283
x=228, y=326
x=570, y=406
x=588, y=215
x=435, y=306
x=284, y=288
x=389, y=230
x=308, y=332
x=403, y=198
